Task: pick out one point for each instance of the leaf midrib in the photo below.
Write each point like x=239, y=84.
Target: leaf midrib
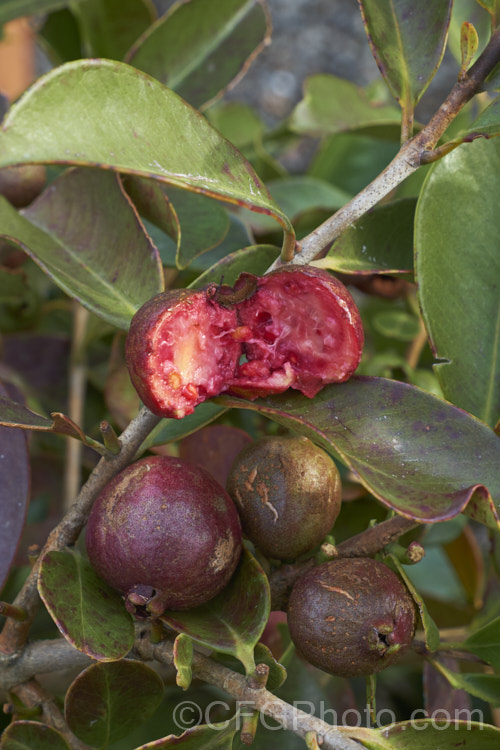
x=108, y=289
x=405, y=89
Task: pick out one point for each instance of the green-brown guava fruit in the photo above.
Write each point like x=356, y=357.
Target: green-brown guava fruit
x=165, y=534
x=351, y=617
x=288, y=494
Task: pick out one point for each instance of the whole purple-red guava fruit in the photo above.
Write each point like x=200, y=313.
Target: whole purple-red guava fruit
x=297, y=327
x=288, y=494
x=165, y=534
x=351, y=617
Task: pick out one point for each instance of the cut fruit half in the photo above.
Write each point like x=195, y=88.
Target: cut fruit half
x=297, y=327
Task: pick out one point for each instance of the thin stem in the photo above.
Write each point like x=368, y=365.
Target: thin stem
x=32, y=695
x=364, y=544
x=76, y=401
x=290, y=717
x=44, y=656
x=372, y=540
x=8, y=610
x=407, y=161
x=406, y=123
x=417, y=346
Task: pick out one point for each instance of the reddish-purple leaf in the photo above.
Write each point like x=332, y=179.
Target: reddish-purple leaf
x=14, y=492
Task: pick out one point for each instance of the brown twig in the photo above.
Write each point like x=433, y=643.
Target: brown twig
x=14, y=634
x=44, y=656
x=364, y=544
x=8, y=610
x=262, y=700
x=372, y=540
x=416, y=347
x=33, y=695
x=408, y=159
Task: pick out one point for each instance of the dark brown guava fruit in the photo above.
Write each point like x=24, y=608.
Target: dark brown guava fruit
x=165, y=534
x=351, y=617
x=297, y=327
x=288, y=494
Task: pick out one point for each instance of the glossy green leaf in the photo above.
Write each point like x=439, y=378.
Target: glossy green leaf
x=106, y=701
x=255, y=259
x=59, y=37
x=430, y=734
x=493, y=8
x=89, y=614
x=431, y=630
x=84, y=233
x=203, y=224
x=436, y=578
x=380, y=242
x=485, y=643
x=204, y=737
x=32, y=735
x=199, y=47
x=419, y=455
x=488, y=122
x=296, y=195
x=153, y=204
x=238, y=236
x=396, y=324
x=457, y=225
x=169, y=430
x=235, y=619
x=98, y=112
x=332, y=105
x=10, y=9
x=195, y=223
x=237, y=122
x=484, y=686
x=109, y=27
x=408, y=40
x=14, y=490
x=183, y=660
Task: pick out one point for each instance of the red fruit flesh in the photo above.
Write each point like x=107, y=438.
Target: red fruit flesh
x=180, y=351
x=305, y=332
x=297, y=327
x=165, y=534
